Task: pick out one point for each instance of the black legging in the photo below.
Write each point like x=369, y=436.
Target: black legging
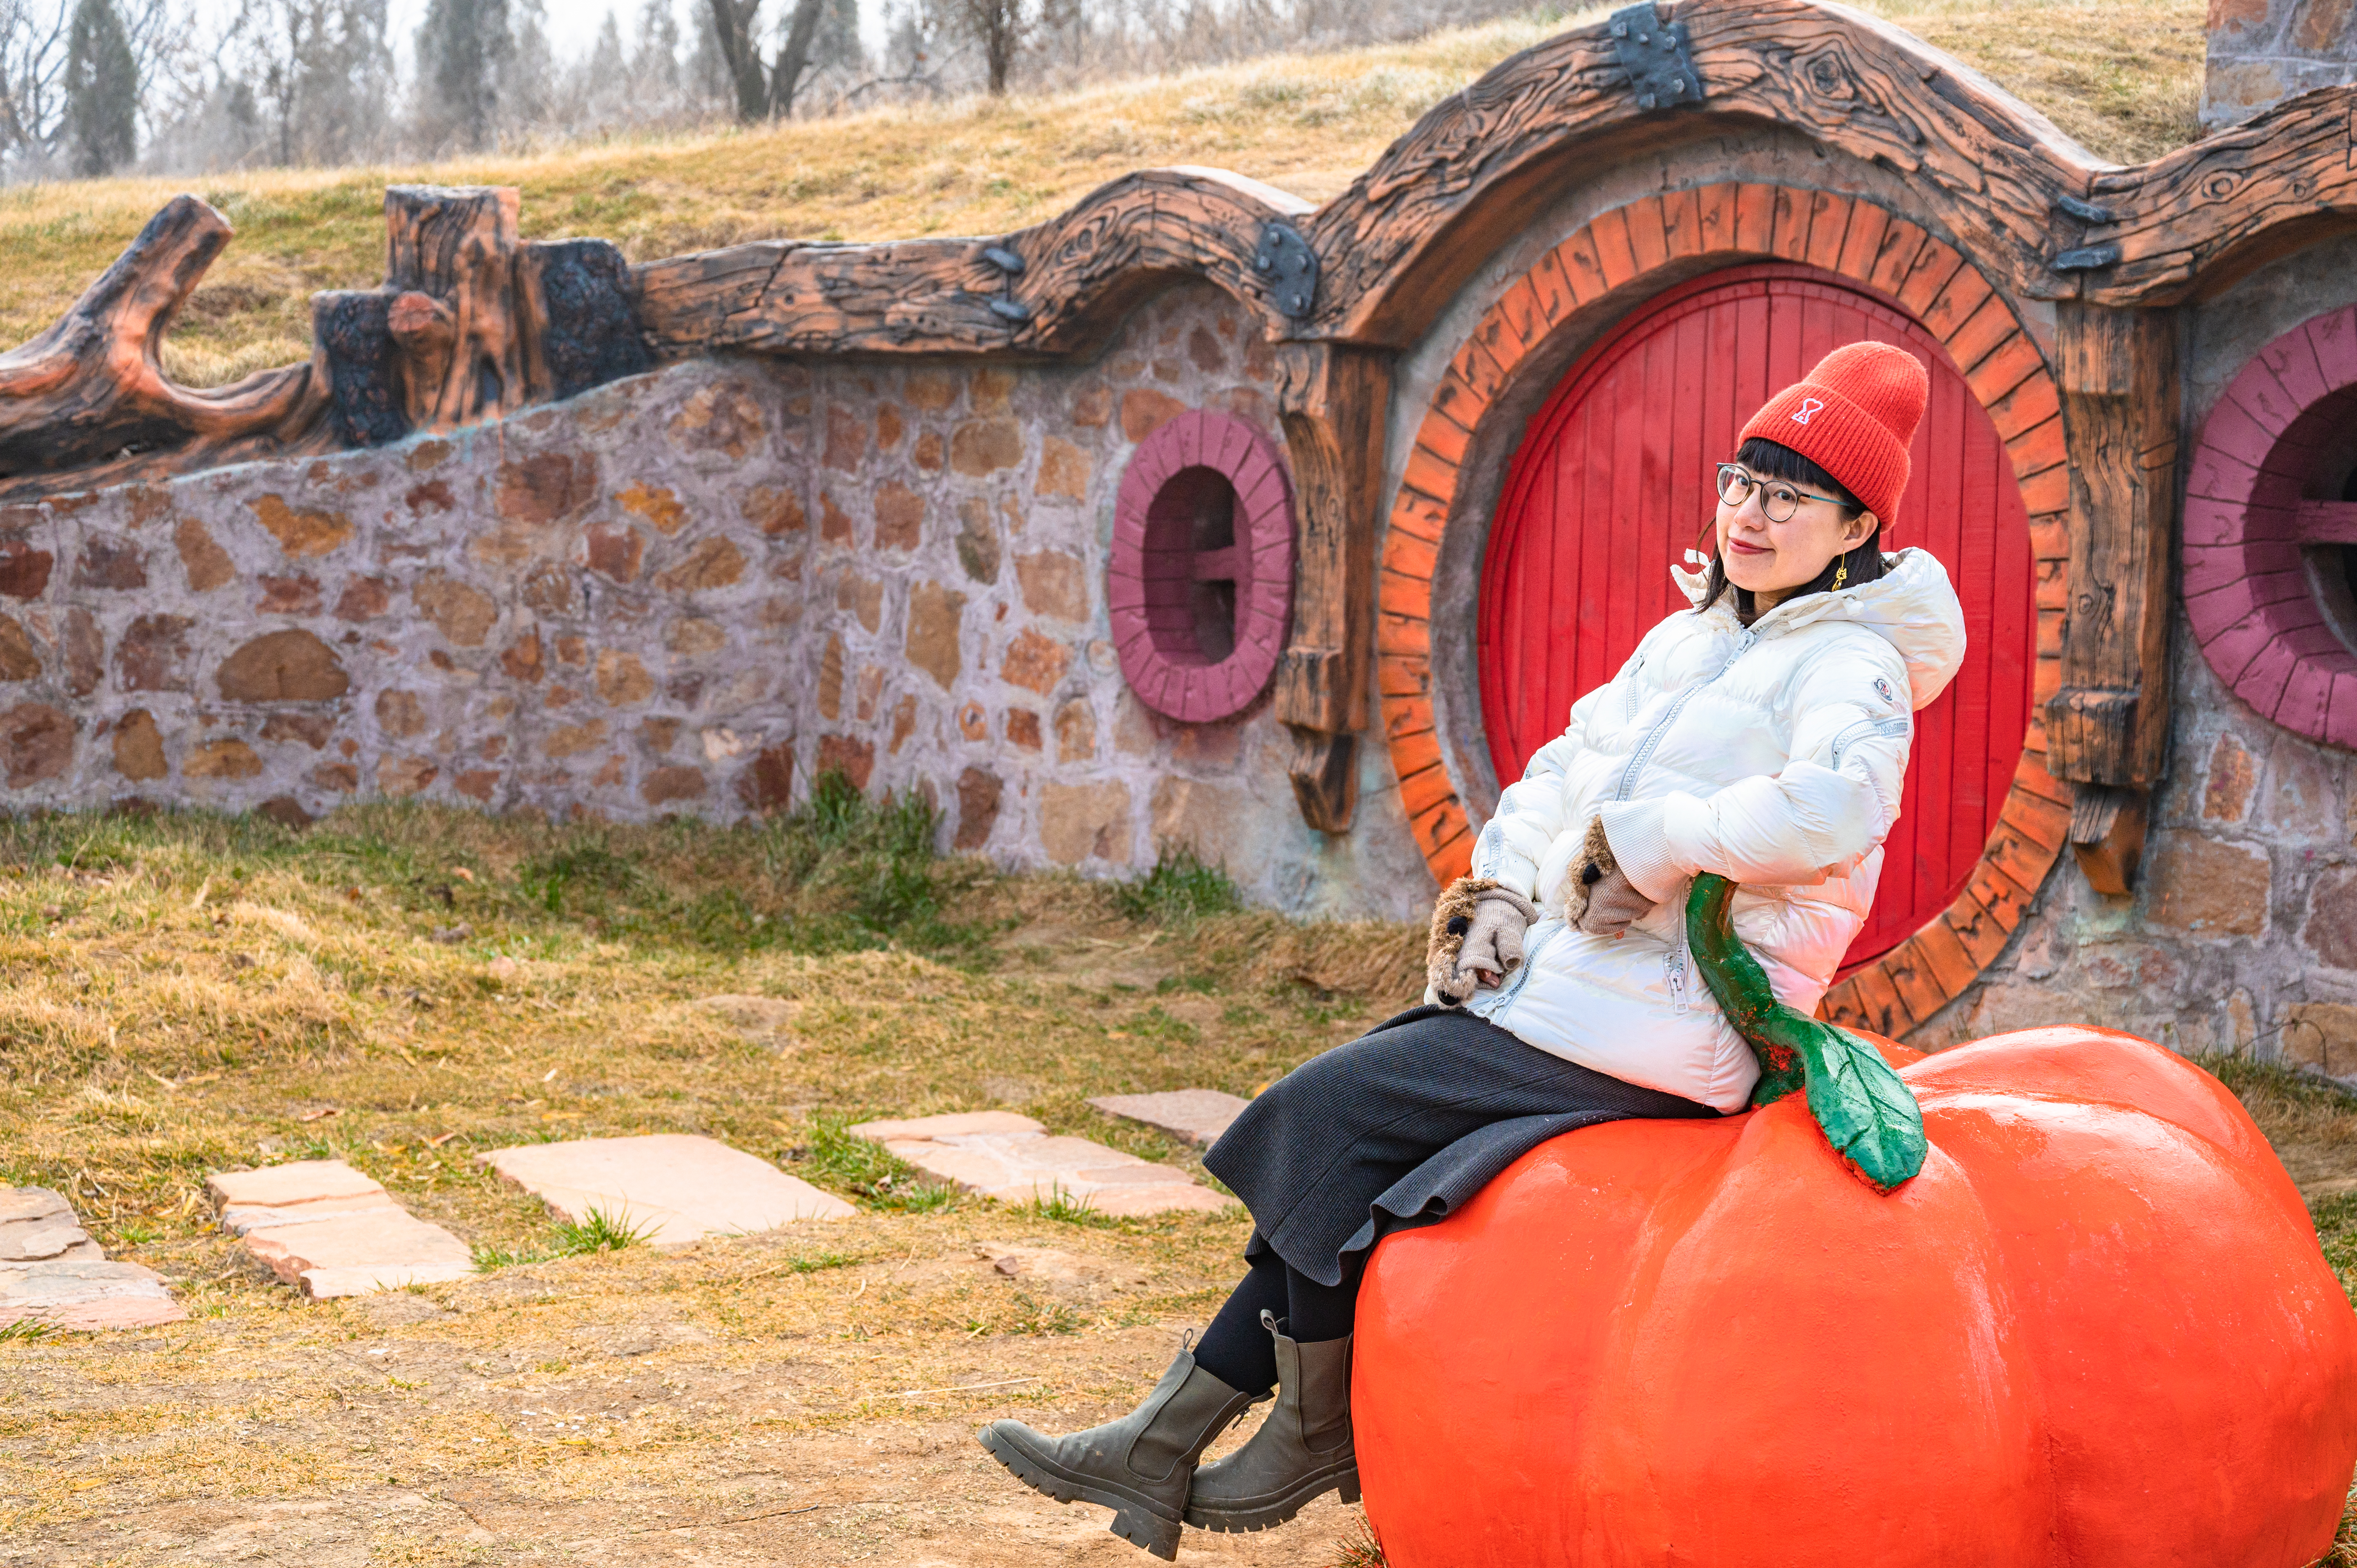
x=1400, y=1127
x=1236, y=1348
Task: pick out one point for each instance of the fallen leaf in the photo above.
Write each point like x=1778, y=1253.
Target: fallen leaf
x=318, y=1115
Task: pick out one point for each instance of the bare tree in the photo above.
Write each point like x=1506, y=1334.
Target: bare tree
x=764, y=92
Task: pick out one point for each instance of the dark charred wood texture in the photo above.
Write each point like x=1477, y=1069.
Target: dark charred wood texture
x=1333, y=400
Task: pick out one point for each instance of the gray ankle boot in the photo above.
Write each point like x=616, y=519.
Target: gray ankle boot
x=1300, y=1452
x=1139, y=1466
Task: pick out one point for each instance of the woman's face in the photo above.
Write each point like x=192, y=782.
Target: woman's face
x=1771, y=558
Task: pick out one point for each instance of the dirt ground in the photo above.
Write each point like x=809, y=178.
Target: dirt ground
x=710, y=1405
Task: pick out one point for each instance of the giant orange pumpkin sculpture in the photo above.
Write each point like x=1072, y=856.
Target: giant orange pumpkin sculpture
x=2095, y=1331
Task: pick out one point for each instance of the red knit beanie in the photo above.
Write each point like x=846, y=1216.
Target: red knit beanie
x=1852, y=416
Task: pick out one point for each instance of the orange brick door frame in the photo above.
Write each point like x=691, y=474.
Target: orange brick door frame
x=1568, y=300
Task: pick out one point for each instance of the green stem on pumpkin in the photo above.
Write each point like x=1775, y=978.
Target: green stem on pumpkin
x=1863, y=1107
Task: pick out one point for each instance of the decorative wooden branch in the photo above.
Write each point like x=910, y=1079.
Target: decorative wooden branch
x=89, y=393
x=1058, y=289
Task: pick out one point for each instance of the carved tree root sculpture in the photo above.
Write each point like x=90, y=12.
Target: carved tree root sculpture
x=90, y=391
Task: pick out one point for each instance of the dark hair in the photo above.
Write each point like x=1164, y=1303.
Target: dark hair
x=1774, y=460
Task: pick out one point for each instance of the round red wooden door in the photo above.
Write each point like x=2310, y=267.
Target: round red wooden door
x=1612, y=484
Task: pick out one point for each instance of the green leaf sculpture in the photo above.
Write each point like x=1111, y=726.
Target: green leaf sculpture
x=1863, y=1107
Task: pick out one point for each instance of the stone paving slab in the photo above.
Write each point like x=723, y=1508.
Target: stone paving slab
x=1003, y=1155
x=52, y=1271
x=1197, y=1115
x=679, y=1187
x=326, y=1226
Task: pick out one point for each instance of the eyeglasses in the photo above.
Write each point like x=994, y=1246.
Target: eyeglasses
x=1777, y=498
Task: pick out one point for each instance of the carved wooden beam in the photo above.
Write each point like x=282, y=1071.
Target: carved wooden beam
x=1333, y=400
x=2197, y=219
x=1409, y=231
x=89, y=393
x=1055, y=290
x=2107, y=729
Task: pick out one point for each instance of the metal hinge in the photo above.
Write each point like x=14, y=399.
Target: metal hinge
x=1003, y=305
x=1653, y=52
x=1285, y=259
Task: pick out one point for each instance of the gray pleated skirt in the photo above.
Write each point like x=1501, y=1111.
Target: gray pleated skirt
x=1401, y=1128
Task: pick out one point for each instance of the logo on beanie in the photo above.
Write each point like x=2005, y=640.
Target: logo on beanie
x=1809, y=405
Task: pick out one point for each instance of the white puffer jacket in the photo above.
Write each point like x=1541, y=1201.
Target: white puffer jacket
x=1771, y=755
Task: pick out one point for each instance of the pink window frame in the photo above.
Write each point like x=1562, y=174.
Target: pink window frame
x=2247, y=592
x=1149, y=584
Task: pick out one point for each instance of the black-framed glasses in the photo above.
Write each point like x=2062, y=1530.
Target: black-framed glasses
x=1779, y=498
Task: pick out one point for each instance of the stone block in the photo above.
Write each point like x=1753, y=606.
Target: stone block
x=935, y=616
x=1145, y=410
x=2232, y=776
x=1012, y=1158
x=981, y=446
x=2209, y=888
x=2322, y=1035
x=138, y=746
x=301, y=533
x=546, y=486
x=462, y=612
x=1197, y=1115
x=206, y=562
x=1054, y=584
x=710, y=563
x=38, y=1226
x=36, y=743
x=52, y=1273
x=678, y=1187
x=978, y=791
x=1081, y=821
x=659, y=505
x=899, y=516
x=2331, y=925
x=977, y=540
x=1035, y=662
x=333, y=1230
x=293, y=666
x=83, y=1295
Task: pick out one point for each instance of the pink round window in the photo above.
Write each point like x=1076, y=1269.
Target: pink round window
x=2271, y=532
x=1202, y=566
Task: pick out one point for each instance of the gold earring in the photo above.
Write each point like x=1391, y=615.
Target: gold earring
x=1842, y=576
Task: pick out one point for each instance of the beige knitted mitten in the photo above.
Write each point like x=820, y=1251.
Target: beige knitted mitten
x=1454, y=917
x=1596, y=864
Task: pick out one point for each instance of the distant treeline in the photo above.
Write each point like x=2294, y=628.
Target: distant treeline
x=96, y=87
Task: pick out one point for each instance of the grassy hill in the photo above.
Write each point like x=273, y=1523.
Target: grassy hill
x=2122, y=77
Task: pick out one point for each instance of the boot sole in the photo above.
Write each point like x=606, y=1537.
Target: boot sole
x=1134, y=1520
x=1268, y=1516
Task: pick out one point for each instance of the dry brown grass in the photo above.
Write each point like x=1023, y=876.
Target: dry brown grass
x=2122, y=77
x=190, y=995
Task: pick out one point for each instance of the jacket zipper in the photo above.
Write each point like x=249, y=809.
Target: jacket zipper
x=1522, y=976
x=1645, y=752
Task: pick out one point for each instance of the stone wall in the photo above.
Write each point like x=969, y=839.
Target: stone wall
x=683, y=593
x=2262, y=50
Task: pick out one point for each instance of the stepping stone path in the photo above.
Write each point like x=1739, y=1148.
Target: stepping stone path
x=322, y=1225
x=1197, y=1115
x=1001, y=1154
x=676, y=1188
x=52, y=1273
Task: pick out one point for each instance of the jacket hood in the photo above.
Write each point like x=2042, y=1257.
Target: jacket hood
x=1912, y=607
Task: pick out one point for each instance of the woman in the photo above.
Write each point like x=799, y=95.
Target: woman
x=1760, y=735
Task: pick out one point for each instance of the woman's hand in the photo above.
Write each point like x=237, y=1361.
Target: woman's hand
x=1476, y=941
x=1493, y=945
x=1613, y=905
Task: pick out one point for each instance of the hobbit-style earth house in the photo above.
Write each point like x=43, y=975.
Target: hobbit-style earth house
x=1197, y=513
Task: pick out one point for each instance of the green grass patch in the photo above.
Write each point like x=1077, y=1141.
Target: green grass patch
x=832, y=1155
x=1181, y=889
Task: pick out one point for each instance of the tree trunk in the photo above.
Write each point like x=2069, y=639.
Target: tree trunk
x=732, y=23
x=794, y=56
x=450, y=263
